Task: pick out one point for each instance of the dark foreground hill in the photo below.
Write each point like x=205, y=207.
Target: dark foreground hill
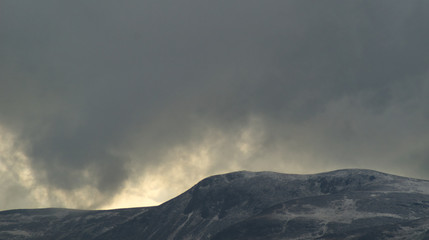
x=343, y=204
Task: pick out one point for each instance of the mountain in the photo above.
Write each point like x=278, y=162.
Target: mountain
x=343, y=204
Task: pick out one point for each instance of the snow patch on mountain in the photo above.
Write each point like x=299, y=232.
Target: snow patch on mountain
x=342, y=211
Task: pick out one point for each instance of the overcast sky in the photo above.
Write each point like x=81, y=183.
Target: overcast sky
x=108, y=104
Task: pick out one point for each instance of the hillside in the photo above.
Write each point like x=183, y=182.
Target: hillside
x=343, y=204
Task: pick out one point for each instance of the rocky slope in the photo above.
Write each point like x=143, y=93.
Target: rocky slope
x=343, y=204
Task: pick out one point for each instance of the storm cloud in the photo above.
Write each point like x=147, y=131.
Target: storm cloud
x=96, y=95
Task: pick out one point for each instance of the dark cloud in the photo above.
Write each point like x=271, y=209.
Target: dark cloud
x=98, y=92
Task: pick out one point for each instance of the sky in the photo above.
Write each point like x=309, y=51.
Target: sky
x=111, y=104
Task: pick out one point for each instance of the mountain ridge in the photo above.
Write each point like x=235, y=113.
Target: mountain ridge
x=250, y=205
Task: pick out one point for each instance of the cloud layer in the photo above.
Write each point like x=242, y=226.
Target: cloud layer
x=98, y=97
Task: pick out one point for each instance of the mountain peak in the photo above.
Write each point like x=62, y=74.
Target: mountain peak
x=354, y=203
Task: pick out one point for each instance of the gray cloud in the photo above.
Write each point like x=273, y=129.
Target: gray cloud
x=99, y=92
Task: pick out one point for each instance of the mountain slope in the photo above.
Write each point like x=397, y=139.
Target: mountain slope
x=351, y=203
x=55, y=223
